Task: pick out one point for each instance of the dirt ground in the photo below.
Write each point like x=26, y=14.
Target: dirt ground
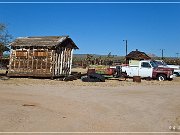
x=43, y=105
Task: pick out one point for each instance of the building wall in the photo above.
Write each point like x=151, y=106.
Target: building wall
x=63, y=61
x=41, y=62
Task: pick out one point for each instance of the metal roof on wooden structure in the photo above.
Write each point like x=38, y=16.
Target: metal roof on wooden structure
x=44, y=41
x=137, y=55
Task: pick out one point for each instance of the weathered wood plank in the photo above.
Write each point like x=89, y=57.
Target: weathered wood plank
x=71, y=61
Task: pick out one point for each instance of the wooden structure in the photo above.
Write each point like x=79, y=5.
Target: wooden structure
x=47, y=56
x=137, y=55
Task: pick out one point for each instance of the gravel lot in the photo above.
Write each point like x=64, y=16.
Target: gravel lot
x=43, y=105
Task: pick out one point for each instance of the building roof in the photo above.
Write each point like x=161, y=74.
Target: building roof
x=44, y=41
x=137, y=55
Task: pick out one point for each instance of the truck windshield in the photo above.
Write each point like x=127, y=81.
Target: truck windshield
x=153, y=64
x=160, y=63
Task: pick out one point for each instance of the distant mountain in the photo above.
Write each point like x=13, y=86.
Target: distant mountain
x=152, y=55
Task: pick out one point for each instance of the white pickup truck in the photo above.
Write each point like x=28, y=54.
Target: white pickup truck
x=176, y=68
x=146, y=69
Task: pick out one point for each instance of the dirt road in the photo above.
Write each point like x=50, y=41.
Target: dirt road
x=32, y=105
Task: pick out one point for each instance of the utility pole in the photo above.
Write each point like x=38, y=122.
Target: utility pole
x=177, y=55
x=162, y=53
x=126, y=46
x=126, y=49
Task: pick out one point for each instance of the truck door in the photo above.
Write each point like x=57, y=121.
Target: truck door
x=145, y=70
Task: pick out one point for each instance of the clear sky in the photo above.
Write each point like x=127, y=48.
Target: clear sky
x=100, y=28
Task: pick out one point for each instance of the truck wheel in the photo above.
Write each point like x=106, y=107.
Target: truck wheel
x=161, y=77
x=123, y=77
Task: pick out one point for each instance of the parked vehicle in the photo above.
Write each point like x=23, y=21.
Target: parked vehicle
x=148, y=69
x=176, y=68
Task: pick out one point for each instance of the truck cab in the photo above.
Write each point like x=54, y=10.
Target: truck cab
x=146, y=68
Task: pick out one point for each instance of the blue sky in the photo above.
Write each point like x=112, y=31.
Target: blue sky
x=100, y=28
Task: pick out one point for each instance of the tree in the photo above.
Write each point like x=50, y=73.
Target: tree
x=5, y=39
x=89, y=59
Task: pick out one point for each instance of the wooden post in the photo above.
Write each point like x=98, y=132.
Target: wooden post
x=28, y=59
x=59, y=57
x=65, y=61
x=10, y=60
x=52, y=68
x=32, y=60
x=55, y=63
x=71, y=61
x=46, y=60
x=62, y=55
x=14, y=59
x=19, y=62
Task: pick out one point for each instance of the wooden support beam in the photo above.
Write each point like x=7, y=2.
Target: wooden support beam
x=52, y=58
x=56, y=64
x=28, y=51
x=62, y=56
x=10, y=60
x=47, y=60
x=32, y=60
x=59, y=63
x=71, y=61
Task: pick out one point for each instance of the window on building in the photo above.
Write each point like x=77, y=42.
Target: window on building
x=21, y=54
x=40, y=54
